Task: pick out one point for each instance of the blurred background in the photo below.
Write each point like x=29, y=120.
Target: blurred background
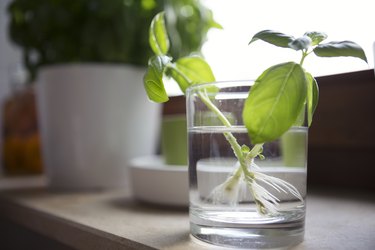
x=40, y=32
x=228, y=52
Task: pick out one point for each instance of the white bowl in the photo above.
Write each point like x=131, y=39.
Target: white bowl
x=154, y=181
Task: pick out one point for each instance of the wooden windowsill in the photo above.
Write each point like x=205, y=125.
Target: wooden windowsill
x=113, y=220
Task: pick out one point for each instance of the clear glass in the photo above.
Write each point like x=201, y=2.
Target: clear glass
x=264, y=208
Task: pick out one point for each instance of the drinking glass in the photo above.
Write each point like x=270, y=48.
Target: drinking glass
x=260, y=204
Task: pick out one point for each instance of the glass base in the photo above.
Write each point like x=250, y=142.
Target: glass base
x=270, y=237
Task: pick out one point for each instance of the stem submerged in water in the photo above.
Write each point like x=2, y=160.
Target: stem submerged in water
x=267, y=204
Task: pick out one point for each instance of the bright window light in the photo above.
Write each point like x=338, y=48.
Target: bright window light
x=231, y=58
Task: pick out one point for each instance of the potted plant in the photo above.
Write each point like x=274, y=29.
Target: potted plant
x=242, y=193
x=87, y=58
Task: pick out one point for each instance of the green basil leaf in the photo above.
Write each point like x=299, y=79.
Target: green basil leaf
x=300, y=121
x=273, y=37
x=316, y=37
x=300, y=43
x=191, y=70
x=153, y=79
x=274, y=102
x=211, y=21
x=343, y=48
x=182, y=80
x=158, y=36
x=312, y=96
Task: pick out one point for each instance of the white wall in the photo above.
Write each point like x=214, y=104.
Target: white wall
x=231, y=57
x=9, y=57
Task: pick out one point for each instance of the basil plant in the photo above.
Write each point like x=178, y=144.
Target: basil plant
x=275, y=103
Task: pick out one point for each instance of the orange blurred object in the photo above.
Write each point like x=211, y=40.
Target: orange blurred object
x=21, y=140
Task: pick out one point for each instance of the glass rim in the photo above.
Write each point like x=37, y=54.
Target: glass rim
x=221, y=84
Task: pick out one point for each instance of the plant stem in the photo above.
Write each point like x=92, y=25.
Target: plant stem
x=230, y=137
x=265, y=202
x=206, y=100
x=304, y=54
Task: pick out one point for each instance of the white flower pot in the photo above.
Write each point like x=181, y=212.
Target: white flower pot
x=94, y=118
